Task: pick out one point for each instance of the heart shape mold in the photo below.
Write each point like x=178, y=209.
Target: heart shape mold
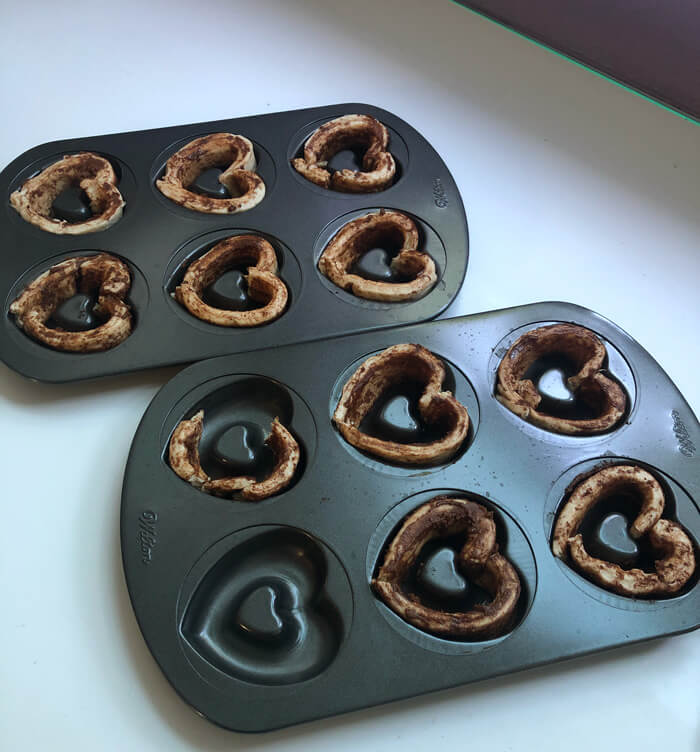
x=435, y=406
x=668, y=540
x=478, y=559
x=264, y=285
x=347, y=132
x=183, y=453
x=105, y=275
x=266, y=612
x=246, y=187
x=92, y=173
x=596, y=390
x=364, y=233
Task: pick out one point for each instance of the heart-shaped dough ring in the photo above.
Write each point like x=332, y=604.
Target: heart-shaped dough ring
x=389, y=368
x=379, y=229
x=443, y=517
x=216, y=150
x=105, y=275
x=184, y=460
x=587, y=353
x=348, y=132
x=263, y=283
x=94, y=174
x=676, y=562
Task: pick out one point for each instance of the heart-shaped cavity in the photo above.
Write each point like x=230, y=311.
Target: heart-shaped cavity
x=431, y=593
x=72, y=205
x=229, y=292
x=262, y=614
x=438, y=576
x=375, y=264
x=591, y=532
x=367, y=409
x=612, y=542
x=346, y=159
x=241, y=450
x=553, y=377
x=207, y=184
x=550, y=375
x=375, y=256
x=257, y=615
x=77, y=314
x=395, y=417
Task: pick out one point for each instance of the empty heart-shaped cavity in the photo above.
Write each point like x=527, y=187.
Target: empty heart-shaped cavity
x=437, y=577
x=611, y=541
x=259, y=614
x=77, y=314
x=550, y=375
x=72, y=205
x=375, y=265
x=395, y=417
x=241, y=450
x=272, y=610
x=207, y=183
x=557, y=378
x=606, y=532
x=346, y=159
x=230, y=291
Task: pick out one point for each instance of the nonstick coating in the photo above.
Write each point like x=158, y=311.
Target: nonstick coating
x=157, y=238
x=177, y=543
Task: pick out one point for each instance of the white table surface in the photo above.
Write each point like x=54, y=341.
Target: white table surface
x=575, y=190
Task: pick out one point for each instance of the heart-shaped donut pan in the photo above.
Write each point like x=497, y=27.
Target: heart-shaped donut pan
x=364, y=580
x=159, y=238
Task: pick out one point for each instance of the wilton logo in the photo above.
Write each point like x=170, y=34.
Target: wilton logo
x=439, y=194
x=685, y=445
x=147, y=535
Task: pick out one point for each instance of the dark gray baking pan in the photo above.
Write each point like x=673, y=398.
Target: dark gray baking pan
x=158, y=239
x=261, y=614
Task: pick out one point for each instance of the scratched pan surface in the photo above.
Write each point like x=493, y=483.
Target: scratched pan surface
x=261, y=614
x=158, y=238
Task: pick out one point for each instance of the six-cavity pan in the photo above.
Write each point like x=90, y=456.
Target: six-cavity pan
x=235, y=235
x=333, y=525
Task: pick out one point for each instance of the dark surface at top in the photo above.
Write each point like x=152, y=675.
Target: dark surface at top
x=650, y=46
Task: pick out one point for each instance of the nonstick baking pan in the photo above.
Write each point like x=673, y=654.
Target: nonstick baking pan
x=158, y=239
x=199, y=568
